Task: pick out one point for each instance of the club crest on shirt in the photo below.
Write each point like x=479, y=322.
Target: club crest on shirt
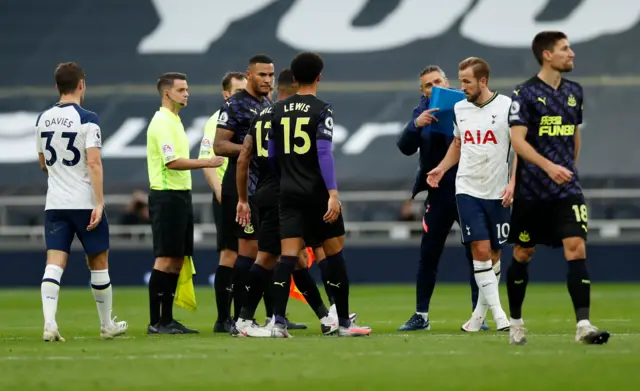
x=571, y=101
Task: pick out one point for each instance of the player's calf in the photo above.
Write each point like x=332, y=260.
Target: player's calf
x=487, y=284
x=517, y=280
x=103, y=295
x=50, y=290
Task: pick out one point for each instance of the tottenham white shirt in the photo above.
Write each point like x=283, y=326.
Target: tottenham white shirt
x=483, y=170
x=63, y=134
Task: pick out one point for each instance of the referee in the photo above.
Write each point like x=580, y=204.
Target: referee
x=170, y=207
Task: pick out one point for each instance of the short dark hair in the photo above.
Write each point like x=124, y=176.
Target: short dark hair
x=260, y=59
x=479, y=66
x=306, y=67
x=226, y=80
x=285, y=78
x=68, y=76
x=545, y=40
x=166, y=80
x=432, y=68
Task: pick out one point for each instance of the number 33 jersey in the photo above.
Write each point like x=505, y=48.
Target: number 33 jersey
x=483, y=170
x=298, y=124
x=64, y=132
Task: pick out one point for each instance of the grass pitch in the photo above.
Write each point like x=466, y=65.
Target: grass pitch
x=441, y=359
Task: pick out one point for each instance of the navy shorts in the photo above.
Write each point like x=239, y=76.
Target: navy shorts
x=61, y=225
x=482, y=219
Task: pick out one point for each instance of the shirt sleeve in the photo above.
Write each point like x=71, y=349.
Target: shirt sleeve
x=456, y=130
x=519, y=111
x=324, y=130
x=164, y=140
x=228, y=118
x=581, y=103
x=206, y=145
x=36, y=131
x=93, y=137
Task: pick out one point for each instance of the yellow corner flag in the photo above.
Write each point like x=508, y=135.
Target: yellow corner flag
x=186, y=293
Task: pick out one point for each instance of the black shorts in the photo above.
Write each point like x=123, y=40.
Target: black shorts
x=548, y=222
x=301, y=218
x=171, y=214
x=231, y=230
x=217, y=219
x=269, y=238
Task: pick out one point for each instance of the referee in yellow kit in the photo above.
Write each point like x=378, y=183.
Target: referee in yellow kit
x=170, y=207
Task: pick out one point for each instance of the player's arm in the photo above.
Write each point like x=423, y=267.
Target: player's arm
x=93, y=144
x=206, y=152
x=227, y=125
x=576, y=141
x=324, y=138
x=519, y=122
x=242, y=173
x=41, y=159
x=453, y=155
x=514, y=169
x=165, y=144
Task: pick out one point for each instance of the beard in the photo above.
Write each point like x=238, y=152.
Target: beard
x=473, y=98
x=564, y=69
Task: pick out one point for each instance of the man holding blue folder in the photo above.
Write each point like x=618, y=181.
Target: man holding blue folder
x=440, y=205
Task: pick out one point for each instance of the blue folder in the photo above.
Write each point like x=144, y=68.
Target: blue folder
x=444, y=99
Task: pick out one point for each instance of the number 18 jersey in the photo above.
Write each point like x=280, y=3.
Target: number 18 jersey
x=298, y=122
x=63, y=134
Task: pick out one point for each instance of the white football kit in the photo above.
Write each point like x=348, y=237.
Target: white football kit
x=63, y=134
x=483, y=170
x=483, y=174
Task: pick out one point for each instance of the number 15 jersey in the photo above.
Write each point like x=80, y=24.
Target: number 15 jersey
x=483, y=171
x=63, y=134
x=298, y=123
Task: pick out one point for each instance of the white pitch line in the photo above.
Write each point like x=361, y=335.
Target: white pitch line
x=516, y=351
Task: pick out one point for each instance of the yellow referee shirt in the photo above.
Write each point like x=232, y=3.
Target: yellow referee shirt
x=167, y=141
x=206, y=146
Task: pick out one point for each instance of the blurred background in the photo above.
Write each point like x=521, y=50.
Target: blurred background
x=373, y=52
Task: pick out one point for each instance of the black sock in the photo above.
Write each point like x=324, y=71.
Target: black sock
x=517, y=280
x=222, y=286
x=169, y=297
x=257, y=282
x=268, y=296
x=579, y=287
x=327, y=288
x=156, y=290
x=240, y=281
x=338, y=280
x=307, y=286
x=281, y=285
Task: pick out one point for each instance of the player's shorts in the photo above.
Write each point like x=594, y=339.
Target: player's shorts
x=482, y=219
x=171, y=213
x=61, y=225
x=269, y=238
x=548, y=222
x=217, y=219
x=231, y=230
x=301, y=218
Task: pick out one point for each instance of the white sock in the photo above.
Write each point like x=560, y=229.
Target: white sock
x=496, y=270
x=101, y=288
x=488, y=285
x=425, y=315
x=516, y=322
x=49, y=290
x=583, y=323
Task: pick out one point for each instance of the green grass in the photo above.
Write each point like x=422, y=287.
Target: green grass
x=441, y=359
